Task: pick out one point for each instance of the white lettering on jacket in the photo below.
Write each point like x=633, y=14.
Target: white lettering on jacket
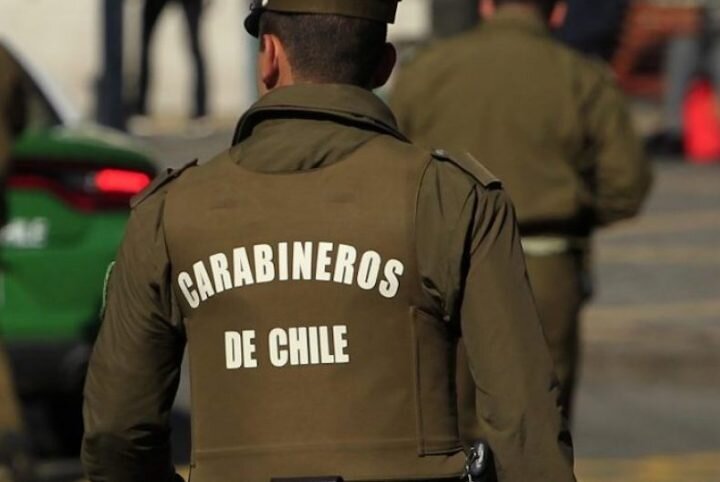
x=290, y=262
x=289, y=347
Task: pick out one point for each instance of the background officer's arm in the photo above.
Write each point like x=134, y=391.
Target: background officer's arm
x=622, y=172
x=516, y=389
x=135, y=366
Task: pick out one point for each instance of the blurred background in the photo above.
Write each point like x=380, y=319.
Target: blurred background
x=102, y=125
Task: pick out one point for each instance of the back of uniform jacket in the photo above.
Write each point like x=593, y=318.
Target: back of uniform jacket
x=312, y=351
x=317, y=271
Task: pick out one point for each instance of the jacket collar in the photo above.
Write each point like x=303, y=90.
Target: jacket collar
x=511, y=18
x=345, y=104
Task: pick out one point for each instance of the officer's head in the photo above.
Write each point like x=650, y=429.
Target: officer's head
x=322, y=41
x=553, y=11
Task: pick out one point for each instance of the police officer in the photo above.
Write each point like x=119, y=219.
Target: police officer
x=13, y=118
x=554, y=127
x=321, y=271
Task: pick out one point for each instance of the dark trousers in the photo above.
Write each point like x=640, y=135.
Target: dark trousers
x=594, y=26
x=193, y=14
x=559, y=285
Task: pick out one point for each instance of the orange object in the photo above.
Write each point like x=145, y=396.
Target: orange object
x=702, y=124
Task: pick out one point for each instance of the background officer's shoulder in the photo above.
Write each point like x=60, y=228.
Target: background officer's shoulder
x=161, y=184
x=438, y=49
x=420, y=55
x=458, y=166
x=428, y=63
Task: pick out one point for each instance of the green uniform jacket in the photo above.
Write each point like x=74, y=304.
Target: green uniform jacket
x=551, y=124
x=466, y=242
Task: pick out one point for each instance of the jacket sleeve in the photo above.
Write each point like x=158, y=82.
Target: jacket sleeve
x=622, y=172
x=135, y=366
x=516, y=389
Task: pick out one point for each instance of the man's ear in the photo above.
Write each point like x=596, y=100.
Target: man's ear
x=385, y=67
x=269, y=63
x=558, y=15
x=486, y=8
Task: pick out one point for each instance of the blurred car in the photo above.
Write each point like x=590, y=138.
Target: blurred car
x=69, y=194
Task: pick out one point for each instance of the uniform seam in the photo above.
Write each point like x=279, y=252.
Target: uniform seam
x=462, y=232
x=424, y=299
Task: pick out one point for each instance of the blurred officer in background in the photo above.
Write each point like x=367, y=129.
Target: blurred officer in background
x=193, y=15
x=316, y=271
x=555, y=129
x=13, y=118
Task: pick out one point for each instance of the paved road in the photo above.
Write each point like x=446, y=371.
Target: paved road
x=649, y=400
x=649, y=404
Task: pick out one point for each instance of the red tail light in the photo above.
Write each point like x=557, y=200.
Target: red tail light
x=121, y=182
x=83, y=189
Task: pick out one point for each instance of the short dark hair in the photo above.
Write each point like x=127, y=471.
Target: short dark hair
x=329, y=48
x=545, y=6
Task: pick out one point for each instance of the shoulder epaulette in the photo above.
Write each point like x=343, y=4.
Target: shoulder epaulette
x=162, y=179
x=471, y=166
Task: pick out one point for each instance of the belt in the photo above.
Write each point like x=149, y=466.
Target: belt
x=332, y=478
x=340, y=479
x=553, y=245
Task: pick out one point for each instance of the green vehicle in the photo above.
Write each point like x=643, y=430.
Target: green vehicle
x=69, y=194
